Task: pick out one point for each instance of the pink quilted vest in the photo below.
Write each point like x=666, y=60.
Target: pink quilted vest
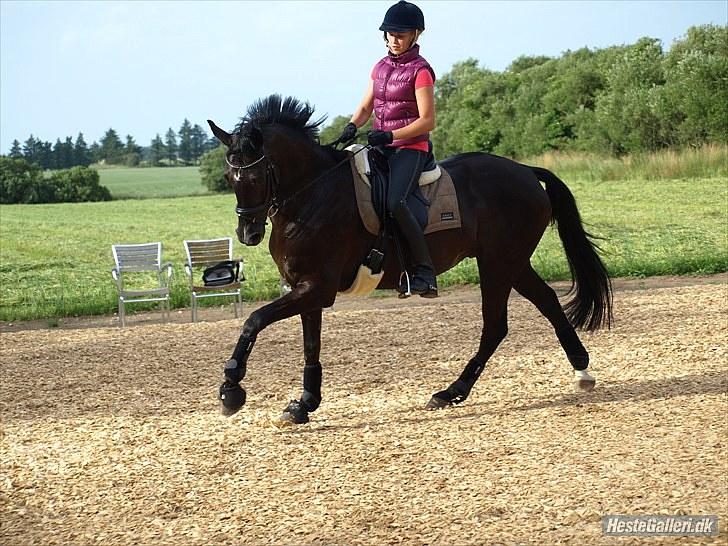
x=395, y=105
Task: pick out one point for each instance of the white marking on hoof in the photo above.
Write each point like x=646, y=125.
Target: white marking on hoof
x=583, y=381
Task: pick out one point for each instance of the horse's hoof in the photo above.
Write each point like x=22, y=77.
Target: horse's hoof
x=436, y=403
x=583, y=381
x=294, y=414
x=232, y=397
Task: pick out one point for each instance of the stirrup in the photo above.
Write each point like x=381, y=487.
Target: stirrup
x=408, y=292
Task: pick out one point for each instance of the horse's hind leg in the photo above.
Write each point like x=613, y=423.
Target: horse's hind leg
x=298, y=410
x=534, y=289
x=495, y=288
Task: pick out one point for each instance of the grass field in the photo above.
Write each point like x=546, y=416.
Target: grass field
x=151, y=182
x=55, y=259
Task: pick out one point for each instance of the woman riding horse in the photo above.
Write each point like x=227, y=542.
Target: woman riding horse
x=401, y=94
x=280, y=171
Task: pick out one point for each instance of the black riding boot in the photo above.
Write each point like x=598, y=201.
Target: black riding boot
x=423, y=280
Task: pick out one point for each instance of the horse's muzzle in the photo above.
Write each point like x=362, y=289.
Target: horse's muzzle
x=251, y=234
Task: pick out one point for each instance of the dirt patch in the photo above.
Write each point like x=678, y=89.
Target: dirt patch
x=113, y=435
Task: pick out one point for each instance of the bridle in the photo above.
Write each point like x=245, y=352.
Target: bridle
x=271, y=186
x=271, y=201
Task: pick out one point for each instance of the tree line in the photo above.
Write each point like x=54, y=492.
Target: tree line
x=184, y=147
x=617, y=100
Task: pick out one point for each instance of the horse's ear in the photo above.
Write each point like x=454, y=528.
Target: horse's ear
x=223, y=136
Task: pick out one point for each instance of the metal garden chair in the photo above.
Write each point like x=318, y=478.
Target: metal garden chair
x=141, y=276
x=204, y=253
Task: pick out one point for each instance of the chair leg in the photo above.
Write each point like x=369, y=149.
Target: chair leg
x=121, y=312
x=238, y=302
x=194, y=308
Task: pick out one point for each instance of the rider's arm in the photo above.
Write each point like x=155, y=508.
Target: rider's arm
x=426, y=122
x=364, y=111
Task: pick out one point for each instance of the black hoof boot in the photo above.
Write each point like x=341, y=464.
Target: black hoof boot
x=439, y=400
x=456, y=393
x=295, y=413
x=232, y=396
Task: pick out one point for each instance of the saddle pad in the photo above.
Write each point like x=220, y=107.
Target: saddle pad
x=443, y=212
x=361, y=160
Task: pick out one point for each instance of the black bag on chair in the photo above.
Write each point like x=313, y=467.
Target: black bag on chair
x=221, y=273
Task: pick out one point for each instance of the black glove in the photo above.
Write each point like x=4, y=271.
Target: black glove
x=348, y=133
x=379, y=138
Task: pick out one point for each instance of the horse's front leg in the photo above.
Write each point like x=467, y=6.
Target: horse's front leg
x=306, y=297
x=298, y=410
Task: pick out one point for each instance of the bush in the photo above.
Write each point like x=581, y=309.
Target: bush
x=78, y=184
x=23, y=182
x=20, y=181
x=212, y=170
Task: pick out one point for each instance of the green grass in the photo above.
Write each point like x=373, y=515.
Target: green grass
x=152, y=182
x=708, y=161
x=55, y=259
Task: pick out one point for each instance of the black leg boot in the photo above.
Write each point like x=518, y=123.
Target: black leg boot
x=423, y=281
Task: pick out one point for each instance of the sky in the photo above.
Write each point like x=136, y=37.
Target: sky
x=143, y=67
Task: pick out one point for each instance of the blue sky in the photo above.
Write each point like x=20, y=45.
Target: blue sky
x=141, y=67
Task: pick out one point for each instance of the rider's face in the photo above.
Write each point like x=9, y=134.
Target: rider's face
x=399, y=42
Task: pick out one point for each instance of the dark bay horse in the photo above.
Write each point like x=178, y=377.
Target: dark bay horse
x=279, y=171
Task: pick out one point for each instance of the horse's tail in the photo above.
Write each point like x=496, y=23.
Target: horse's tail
x=591, y=306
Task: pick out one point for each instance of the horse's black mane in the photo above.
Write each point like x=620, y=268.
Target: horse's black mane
x=288, y=111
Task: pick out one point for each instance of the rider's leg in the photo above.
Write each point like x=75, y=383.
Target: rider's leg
x=405, y=168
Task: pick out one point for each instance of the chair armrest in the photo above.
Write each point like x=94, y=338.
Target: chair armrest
x=188, y=270
x=115, y=276
x=168, y=266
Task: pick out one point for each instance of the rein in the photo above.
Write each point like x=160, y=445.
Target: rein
x=271, y=201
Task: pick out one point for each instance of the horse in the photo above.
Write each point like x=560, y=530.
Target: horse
x=280, y=171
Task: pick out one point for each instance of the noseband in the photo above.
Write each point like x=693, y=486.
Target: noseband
x=271, y=186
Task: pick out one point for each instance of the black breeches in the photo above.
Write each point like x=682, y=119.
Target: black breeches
x=405, y=168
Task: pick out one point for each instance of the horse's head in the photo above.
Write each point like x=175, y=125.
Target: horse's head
x=250, y=174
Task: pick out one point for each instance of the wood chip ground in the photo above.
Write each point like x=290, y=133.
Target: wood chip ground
x=112, y=436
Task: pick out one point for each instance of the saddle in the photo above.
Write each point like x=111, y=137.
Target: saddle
x=434, y=204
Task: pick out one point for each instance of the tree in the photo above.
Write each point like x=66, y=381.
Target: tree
x=695, y=95
x=45, y=155
x=31, y=150
x=57, y=161
x=95, y=152
x=111, y=149
x=198, y=141
x=81, y=154
x=185, y=142
x=62, y=157
x=170, y=145
x=628, y=109
x=132, y=152
x=16, y=152
x=156, y=151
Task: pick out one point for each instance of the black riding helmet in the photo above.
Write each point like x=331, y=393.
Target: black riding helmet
x=403, y=17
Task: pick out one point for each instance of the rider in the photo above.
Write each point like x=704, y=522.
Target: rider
x=401, y=94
